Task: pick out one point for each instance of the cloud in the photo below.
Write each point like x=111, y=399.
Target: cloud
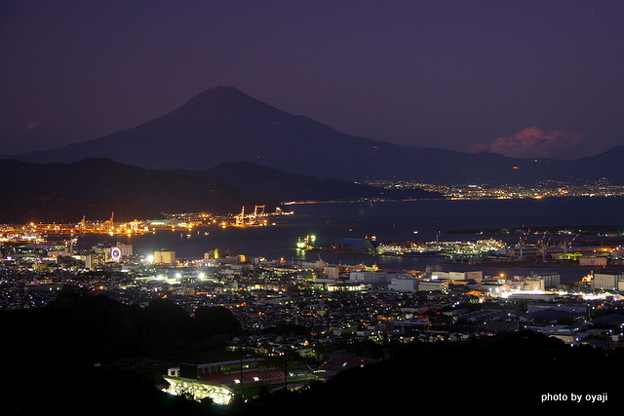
x=532, y=142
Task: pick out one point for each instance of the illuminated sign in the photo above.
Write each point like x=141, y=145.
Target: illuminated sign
x=115, y=254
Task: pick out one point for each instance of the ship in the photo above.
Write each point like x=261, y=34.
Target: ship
x=306, y=243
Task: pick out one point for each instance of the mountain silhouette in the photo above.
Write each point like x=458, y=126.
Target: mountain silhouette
x=225, y=125
x=96, y=187
x=219, y=125
x=255, y=181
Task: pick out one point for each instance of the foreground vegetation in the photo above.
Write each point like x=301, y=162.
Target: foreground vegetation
x=53, y=361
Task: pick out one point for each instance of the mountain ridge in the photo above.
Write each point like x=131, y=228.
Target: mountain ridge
x=95, y=187
x=224, y=125
x=255, y=180
x=57, y=192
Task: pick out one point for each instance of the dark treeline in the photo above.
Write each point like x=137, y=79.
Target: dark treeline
x=492, y=375
x=54, y=357
x=48, y=358
x=81, y=326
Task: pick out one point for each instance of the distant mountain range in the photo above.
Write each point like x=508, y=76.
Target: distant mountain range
x=97, y=187
x=224, y=125
x=260, y=181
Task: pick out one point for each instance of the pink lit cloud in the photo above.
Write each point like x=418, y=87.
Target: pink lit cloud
x=531, y=142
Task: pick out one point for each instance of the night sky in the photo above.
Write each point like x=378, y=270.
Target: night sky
x=523, y=78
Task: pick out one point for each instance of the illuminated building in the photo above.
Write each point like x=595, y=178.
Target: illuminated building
x=198, y=389
x=550, y=280
x=332, y=272
x=219, y=381
x=404, y=284
x=369, y=277
x=425, y=286
x=593, y=261
x=164, y=257
x=533, y=284
x=470, y=275
x=126, y=249
x=93, y=261
x=608, y=280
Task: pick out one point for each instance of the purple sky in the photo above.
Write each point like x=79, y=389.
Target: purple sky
x=527, y=78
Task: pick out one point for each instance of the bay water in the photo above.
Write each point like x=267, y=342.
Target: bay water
x=423, y=220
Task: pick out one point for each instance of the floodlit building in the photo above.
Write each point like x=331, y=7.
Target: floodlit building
x=368, y=277
x=164, y=257
x=94, y=261
x=125, y=249
x=533, y=284
x=550, y=279
x=471, y=275
x=198, y=389
x=437, y=274
x=407, y=283
x=440, y=275
x=332, y=272
x=404, y=284
x=221, y=380
x=432, y=286
x=608, y=280
x=593, y=261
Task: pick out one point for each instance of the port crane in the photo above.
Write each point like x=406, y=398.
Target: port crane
x=522, y=242
x=250, y=219
x=543, y=244
x=567, y=244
